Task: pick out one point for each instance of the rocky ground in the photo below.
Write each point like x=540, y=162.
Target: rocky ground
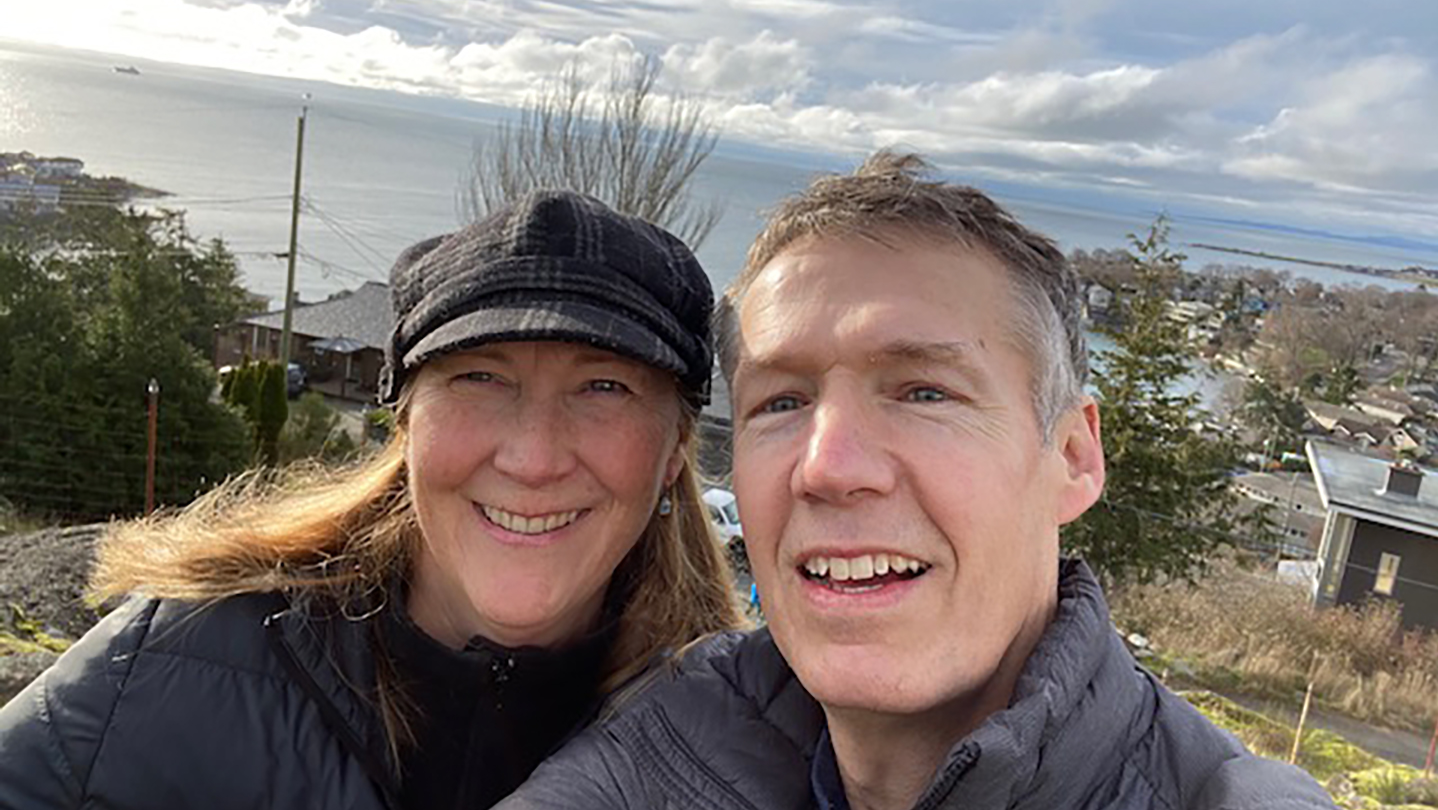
x=42, y=586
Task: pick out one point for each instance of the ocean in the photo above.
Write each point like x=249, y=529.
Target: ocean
x=382, y=170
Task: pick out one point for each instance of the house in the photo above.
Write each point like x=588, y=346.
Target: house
x=20, y=190
x=58, y=167
x=1099, y=306
x=340, y=341
x=1327, y=415
x=1297, y=511
x=1362, y=433
x=1389, y=409
x=1380, y=533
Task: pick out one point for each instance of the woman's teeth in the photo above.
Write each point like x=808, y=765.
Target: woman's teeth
x=865, y=567
x=519, y=524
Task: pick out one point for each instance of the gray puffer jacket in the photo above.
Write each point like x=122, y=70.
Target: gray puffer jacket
x=1087, y=728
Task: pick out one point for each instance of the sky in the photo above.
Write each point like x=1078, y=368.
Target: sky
x=1317, y=110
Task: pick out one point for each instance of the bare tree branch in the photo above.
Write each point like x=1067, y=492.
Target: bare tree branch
x=617, y=141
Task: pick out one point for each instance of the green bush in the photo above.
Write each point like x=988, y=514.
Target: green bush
x=313, y=432
x=1386, y=784
x=379, y=423
x=272, y=411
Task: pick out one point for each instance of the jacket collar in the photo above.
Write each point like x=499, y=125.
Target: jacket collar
x=328, y=651
x=1076, y=705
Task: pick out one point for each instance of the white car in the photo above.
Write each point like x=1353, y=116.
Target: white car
x=724, y=512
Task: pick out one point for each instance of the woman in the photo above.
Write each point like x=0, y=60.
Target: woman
x=422, y=630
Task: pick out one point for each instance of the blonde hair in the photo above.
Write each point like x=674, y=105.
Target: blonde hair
x=344, y=534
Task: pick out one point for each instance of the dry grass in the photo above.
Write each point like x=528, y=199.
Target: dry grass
x=1237, y=629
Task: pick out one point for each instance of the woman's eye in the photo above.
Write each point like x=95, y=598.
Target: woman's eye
x=477, y=376
x=926, y=393
x=608, y=387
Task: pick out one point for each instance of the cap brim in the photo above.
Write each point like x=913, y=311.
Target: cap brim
x=567, y=321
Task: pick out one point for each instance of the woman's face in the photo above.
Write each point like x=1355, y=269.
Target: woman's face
x=534, y=467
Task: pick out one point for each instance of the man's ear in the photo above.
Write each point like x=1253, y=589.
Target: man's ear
x=1077, y=437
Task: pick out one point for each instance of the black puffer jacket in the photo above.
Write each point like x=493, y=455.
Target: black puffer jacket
x=247, y=703
x=1087, y=728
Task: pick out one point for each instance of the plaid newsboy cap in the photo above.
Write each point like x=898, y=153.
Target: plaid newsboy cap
x=553, y=265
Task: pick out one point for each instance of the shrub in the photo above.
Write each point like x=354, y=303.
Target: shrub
x=1269, y=640
x=313, y=431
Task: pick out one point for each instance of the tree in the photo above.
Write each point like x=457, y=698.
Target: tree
x=1341, y=385
x=1275, y=413
x=88, y=315
x=1166, y=506
x=617, y=141
x=271, y=412
x=313, y=431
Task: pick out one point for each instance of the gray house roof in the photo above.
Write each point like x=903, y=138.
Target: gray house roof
x=363, y=314
x=1354, y=483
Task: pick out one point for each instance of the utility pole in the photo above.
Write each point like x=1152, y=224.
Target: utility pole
x=294, y=237
x=152, y=392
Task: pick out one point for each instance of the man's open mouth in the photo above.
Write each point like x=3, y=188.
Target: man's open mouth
x=867, y=572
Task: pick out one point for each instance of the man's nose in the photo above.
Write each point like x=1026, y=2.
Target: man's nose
x=537, y=445
x=844, y=456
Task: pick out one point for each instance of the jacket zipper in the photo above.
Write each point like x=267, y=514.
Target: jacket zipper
x=378, y=774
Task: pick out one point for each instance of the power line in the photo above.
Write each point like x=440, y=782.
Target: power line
x=327, y=267
x=351, y=239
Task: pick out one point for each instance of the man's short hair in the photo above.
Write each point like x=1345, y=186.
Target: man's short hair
x=889, y=196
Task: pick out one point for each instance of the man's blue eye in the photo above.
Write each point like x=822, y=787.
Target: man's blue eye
x=608, y=386
x=781, y=404
x=926, y=394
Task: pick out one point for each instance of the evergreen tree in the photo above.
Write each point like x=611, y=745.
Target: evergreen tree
x=244, y=392
x=1341, y=385
x=272, y=409
x=1167, y=505
x=1274, y=412
x=88, y=315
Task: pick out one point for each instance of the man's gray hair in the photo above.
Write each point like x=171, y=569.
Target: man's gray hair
x=889, y=196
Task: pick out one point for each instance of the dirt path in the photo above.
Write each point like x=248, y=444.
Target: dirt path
x=1395, y=745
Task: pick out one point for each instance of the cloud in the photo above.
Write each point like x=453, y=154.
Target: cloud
x=1366, y=126
x=760, y=67
x=1059, y=91
x=921, y=32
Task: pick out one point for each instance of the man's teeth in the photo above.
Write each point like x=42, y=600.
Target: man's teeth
x=868, y=566
x=519, y=524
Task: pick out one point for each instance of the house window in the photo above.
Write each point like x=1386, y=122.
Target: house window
x=1387, y=573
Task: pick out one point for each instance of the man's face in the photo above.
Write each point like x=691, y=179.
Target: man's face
x=884, y=422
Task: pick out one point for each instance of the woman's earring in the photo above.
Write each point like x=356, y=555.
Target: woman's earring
x=666, y=505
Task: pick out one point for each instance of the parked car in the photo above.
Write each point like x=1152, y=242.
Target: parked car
x=724, y=512
x=295, y=380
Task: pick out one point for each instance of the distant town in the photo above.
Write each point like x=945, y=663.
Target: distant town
x=44, y=185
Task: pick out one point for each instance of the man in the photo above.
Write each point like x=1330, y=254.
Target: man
x=910, y=432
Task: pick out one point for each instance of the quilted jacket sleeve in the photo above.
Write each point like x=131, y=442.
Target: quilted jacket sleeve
x=593, y=771
x=1254, y=783
x=51, y=732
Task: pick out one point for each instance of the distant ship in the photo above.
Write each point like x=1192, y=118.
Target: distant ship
x=128, y=69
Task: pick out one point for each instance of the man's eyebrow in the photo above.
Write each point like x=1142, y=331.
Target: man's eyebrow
x=957, y=353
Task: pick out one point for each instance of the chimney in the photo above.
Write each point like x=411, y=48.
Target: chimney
x=1404, y=478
